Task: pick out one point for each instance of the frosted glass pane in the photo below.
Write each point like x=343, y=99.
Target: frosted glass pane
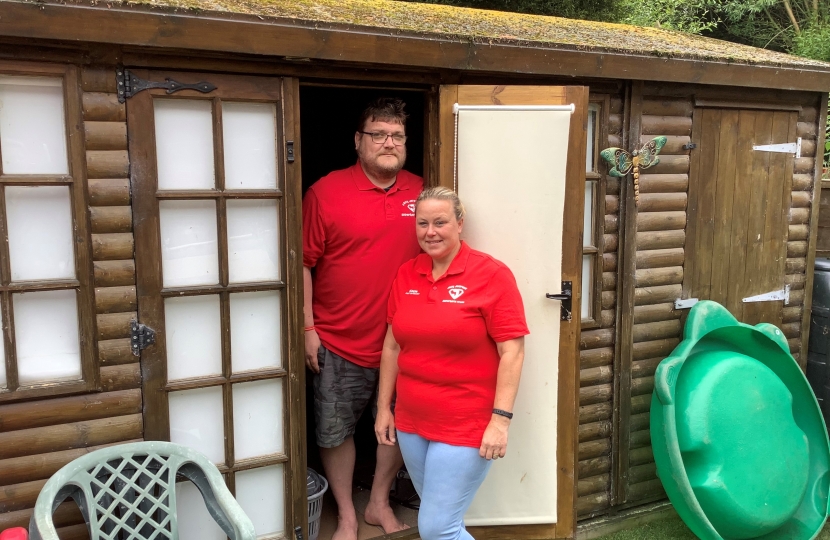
x=255, y=331
x=46, y=334
x=253, y=244
x=260, y=494
x=587, y=286
x=194, y=520
x=32, y=126
x=257, y=418
x=40, y=233
x=184, y=144
x=588, y=216
x=189, y=253
x=250, y=138
x=197, y=421
x=592, y=140
x=193, y=332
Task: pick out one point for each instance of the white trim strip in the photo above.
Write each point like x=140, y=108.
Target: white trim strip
x=456, y=108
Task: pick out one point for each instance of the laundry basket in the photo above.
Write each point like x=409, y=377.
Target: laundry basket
x=316, y=487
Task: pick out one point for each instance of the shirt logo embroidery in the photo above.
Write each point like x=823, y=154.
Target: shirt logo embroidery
x=413, y=292
x=409, y=208
x=455, y=292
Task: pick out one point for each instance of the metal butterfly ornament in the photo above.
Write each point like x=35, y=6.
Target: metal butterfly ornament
x=622, y=162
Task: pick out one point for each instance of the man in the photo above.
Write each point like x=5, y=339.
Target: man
x=358, y=228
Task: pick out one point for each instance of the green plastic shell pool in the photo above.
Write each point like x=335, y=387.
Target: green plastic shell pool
x=738, y=437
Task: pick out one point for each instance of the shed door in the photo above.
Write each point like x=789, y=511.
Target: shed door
x=521, y=175
x=736, y=237
x=218, y=279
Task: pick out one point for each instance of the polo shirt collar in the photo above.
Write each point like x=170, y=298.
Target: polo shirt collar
x=363, y=183
x=423, y=262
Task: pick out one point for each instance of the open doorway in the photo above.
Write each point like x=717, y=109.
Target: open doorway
x=328, y=121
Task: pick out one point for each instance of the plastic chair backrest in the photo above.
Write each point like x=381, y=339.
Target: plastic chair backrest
x=129, y=492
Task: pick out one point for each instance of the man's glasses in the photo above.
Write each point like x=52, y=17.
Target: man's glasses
x=379, y=138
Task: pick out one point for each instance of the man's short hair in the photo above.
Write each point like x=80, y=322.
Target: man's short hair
x=384, y=109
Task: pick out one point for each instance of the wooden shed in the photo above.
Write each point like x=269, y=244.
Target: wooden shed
x=125, y=136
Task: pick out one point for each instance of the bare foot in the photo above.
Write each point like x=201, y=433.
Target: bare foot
x=381, y=515
x=346, y=529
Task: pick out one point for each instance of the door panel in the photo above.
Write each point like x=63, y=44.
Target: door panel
x=515, y=170
x=214, y=255
x=737, y=229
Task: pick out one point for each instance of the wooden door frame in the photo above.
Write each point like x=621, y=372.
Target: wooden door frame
x=143, y=181
x=568, y=396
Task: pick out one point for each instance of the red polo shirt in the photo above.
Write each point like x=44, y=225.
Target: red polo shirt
x=447, y=330
x=357, y=235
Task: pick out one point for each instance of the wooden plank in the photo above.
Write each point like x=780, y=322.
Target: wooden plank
x=595, y=394
x=640, y=386
x=111, y=219
x=799, y=216
x=105, y=135
x=113, y=246
x=109, y=191
x=657, y=295
x=596, y=357
x=595, y=484
x=661, y=240
x=595, y=413
x=653, y=349
x=597, y=375
x=593, y=339
x=20, y=496
x=66, y=514
x=655, y=106
x=98, y=79
x=662, y=202
x=590, y=505
x=664, y=183
x=661, y=221
x=121, y=377
x=656, y=330
x=666, y=125
x=798, y=232
x=114, y=273
x=669, y=164
x=801, y=199
x=660, y=258
x=723, y=206
x=797, y=249
x=705, y=183
x=645, y=368
x=655, y=312
x=115, y=299
x=32, y=414
x=107, y=163
x=594, y=466
x=649, y=277
x=114, y=325
x=103, y=107
x=590, y=432
x=802, y=182
x=594, y=449
x=115, y=352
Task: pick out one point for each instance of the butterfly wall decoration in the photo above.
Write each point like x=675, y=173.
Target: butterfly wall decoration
x=622, y=162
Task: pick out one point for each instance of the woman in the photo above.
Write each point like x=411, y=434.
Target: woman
x=454, y=346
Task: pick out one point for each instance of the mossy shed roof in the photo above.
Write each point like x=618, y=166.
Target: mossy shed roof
x=476, y=25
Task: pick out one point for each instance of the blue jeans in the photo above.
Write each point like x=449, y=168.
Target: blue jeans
x=447, y=478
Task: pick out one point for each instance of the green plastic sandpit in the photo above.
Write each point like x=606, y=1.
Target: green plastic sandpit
x=738, y=437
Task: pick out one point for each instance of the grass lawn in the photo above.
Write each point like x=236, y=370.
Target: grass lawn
x=671, y=528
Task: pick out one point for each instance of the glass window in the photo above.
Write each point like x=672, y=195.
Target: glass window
x=591, y=153
x=592, y=222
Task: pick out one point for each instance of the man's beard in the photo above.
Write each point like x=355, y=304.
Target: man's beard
x=388, y=169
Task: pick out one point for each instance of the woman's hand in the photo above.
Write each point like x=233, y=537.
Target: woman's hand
x=385, y=427
x=494, y=442
x=312, y=346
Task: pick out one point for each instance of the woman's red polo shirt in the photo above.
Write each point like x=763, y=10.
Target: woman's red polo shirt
x=447, y=330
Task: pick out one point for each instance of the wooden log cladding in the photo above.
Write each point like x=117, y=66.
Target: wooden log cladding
x=642, y=473
x=791, y=330
x=609, y=242
x=649, y=277
x=660, y=258
x=102, y=107
x=595, y=466
x=808, y=148
x=74, y=532
x=607, y=318
x=662, y=202
x=612, y=204
x=661, y=240
x=643, y=385
x=107, y=163
x=596, y=357
x=65, y=515
x=595, y=413
x=122, y=377
x=609, y=281
x=666, y=125
x=609, y=262
x=799, y=216
x=640, y=421
x=612, y=223
x=655, y=312
x=669, y=164
x=808, y=114
x=592, y=339
x=587, y=432
x=640, y=456
x=67, y=436
x=109, y=191
x=656, y=330
x=115, y=299
x=791, y=314
x=801, y=182
x=796, y=281
x=614, y=140
x=49, y=412
x=801, y=199
x=797, y=249
x=795, y=345
x=806, y=130
x=674, y=144
x=654, y=106
x=114, y=273
x=113, y=246
x=804, y=165
x=115, y=352
x=593, y=449
x=111, y=219
x=42, y=466
x=640, y=404
x=592, y=504
x=663, y=183
x=657, y=295
x=796, y=298
x=609, y=299
x=614, y=123
x=612, y=184
x=654, y=349
x=594, y=484
x=592, y=376
x=646, y=490
x=105, y=135
x=98, y=80
x=596, y=394
x=20, y=496
x=661, y=221
x=640, y=438
x=645, y=368
x=115, y=325
x=795, y=266
x=798, y=232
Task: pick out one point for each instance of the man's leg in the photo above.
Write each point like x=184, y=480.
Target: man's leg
x=378, y=512
x=339, y=465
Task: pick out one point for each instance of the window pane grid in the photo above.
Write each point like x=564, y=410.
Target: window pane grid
x=594, y=213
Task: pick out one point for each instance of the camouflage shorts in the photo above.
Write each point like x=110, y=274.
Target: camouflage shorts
x=342, y=390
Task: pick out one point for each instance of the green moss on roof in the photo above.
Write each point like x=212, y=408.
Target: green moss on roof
x=481, y=26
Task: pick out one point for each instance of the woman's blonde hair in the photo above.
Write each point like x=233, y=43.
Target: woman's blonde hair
x=439, y=193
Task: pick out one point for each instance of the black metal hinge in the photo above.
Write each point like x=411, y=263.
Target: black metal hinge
x=141, y=337
x=566, y=297
x=129, y=85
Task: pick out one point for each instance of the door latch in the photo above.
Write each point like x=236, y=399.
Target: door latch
x=141, y=337
x=783, y=294
x=566, y=297
x=289, y=151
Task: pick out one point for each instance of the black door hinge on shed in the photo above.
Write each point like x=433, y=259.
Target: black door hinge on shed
x=141, y=337
x=129, y=85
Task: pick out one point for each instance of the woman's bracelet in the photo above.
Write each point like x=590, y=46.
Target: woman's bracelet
x=308, y=328
x=508, y=415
